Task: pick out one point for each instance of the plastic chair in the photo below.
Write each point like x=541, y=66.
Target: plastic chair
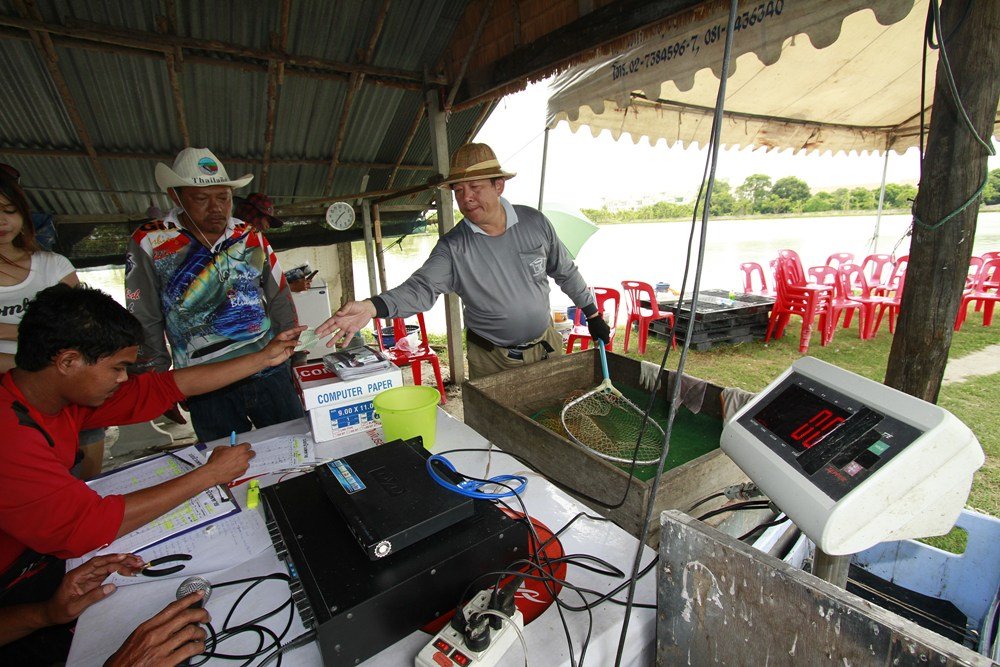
x=985, y=291
x=636, y=292
x=877, y=269
x=891, y=285
x=823, y=275
x=838, y=259
x=581, y=333
x=975, y=263
x=403, y=354
x=842, y=303
x=873, y=306
x=752, y=270
x=797, y=297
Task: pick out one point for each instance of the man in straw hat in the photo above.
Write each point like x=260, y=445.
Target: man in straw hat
x=213, y=285
x=498, y=259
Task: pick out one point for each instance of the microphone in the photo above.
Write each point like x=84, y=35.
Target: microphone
x=193, y=584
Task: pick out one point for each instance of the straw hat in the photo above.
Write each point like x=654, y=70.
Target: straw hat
x=473, y=162
x=197, y=168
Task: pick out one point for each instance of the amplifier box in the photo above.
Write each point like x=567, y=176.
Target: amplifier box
x=360, y=606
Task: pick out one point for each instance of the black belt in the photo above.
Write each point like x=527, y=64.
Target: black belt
x=488, y=345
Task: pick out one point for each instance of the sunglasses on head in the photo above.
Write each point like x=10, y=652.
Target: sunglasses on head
x=8, y=171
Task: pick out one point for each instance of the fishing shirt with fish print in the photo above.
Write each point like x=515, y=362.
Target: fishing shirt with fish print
x=211, y=303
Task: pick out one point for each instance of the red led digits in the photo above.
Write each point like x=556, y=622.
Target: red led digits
x=809, y=433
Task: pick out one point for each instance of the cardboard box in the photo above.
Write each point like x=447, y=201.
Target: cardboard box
x=334, y=422
x=321, y=388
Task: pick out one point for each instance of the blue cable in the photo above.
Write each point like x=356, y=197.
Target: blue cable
x=470, y=488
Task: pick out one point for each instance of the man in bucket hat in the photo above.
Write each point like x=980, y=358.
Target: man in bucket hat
x=498, y=259
x=212, y=284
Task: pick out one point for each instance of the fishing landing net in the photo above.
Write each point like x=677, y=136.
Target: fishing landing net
x=609, y=425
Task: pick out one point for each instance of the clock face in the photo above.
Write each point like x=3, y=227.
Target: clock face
x=340, y=215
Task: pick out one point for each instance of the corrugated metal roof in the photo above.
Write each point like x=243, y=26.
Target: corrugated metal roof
x=123, y=94
x=112, y=92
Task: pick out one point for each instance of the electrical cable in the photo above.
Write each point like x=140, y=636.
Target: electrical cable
x=748, y=505
x=704, y=500
x=782, y=518
x=520, y=635
x=675, y=389
x=470, y=488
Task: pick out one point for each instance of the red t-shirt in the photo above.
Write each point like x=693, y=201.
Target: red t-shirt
x=42, y=506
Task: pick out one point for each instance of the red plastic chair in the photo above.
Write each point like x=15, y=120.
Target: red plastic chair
x=891, y=286
x=414, y=356
x=877, y=269
x=636, y=292
x=975, y=263
x=838, y=259
x=873, y=306
x=823, y=275
x=581, y=333
x=797, y=297
x=754, y=273
x=985, y=292
x=842, y=302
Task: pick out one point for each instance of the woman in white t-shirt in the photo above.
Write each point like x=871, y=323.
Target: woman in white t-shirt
x=24, y=271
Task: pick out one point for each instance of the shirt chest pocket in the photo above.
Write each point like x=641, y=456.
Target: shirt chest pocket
x=533, y=263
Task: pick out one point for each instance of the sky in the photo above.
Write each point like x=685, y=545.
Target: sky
x=585, y=172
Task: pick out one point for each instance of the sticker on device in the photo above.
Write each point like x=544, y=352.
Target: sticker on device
x=346, y=476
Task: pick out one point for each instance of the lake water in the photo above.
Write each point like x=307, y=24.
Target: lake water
x=655, y=252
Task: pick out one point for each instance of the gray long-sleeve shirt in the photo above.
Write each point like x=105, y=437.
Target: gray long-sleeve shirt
x=502, y=280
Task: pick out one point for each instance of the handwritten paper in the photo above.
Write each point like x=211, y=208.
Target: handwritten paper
x=205, y=508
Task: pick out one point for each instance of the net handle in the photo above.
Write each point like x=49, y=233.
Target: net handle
x=604, y=361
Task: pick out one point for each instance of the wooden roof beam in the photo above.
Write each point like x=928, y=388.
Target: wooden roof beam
x=48, y=52
x=275, y=79
x=168, y=25
x=580, y=39
x=165, y=157
x=406, y=145
x=158, y=43
x=473, y=45
x=357, y=79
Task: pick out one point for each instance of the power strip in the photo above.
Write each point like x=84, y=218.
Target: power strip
x=448, y=647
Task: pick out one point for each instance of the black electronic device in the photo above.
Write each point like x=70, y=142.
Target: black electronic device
x=359, y=606
x=388, y=499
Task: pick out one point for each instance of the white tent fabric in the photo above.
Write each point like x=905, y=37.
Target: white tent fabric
x=813, y=75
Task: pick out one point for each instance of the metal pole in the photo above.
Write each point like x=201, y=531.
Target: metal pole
x=881, y=200
x=832, y=568
x=545, y=157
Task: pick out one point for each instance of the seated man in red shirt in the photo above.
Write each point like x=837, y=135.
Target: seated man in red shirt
x=74, y=345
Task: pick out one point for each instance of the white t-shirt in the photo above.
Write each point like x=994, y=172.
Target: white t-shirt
x=47, y=268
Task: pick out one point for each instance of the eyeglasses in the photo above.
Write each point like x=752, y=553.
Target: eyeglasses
x=9, y=172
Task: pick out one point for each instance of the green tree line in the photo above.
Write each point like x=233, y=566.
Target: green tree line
x=759, y=195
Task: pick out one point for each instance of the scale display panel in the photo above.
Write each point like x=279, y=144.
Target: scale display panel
x=851, y=461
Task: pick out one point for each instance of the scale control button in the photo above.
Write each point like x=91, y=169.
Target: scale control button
x=878, y=448
x=852, y=468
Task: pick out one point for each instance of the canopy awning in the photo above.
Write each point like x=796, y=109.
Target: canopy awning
x=808, y=75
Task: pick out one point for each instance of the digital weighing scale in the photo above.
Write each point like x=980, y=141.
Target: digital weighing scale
x=851, y=461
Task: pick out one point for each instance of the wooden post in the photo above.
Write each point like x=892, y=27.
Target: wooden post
x=378, y=249
x=438, y=121
x=369, y=247
x=953, y=169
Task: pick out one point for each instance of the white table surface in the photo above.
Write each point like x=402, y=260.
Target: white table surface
x=103, y=627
